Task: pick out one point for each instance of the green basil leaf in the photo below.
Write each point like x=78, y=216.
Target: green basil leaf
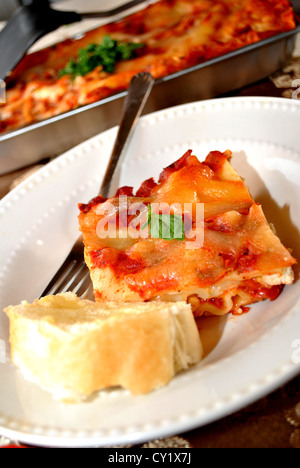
x=106, y=54
x=166, y=227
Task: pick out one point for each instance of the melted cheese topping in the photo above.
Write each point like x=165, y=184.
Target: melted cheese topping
x=177, y=34
x=241, y=260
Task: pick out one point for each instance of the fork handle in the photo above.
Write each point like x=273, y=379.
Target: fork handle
x=138, y=92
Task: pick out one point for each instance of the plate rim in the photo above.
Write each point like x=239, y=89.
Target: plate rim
x=260, y=389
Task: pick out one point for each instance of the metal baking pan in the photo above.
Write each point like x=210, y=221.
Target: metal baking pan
x=51, y=137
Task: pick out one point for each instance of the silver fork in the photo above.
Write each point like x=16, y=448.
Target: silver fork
x=74, y=275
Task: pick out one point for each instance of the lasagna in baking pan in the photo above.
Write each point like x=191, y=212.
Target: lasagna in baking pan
x=166, y=37
x=196, y=235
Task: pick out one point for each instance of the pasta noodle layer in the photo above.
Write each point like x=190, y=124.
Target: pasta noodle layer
x=229, y=256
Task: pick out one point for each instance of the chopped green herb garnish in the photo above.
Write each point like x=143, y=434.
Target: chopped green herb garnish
x=163, y=226
x=106, y=54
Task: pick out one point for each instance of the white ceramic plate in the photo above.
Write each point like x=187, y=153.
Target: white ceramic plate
x=246, y=357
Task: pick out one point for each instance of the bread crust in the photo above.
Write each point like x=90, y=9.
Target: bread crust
x=76, y=348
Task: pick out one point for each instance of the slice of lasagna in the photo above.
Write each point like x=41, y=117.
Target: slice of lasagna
x=195, y=235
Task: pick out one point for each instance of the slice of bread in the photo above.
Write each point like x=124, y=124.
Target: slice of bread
x=75, y=347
